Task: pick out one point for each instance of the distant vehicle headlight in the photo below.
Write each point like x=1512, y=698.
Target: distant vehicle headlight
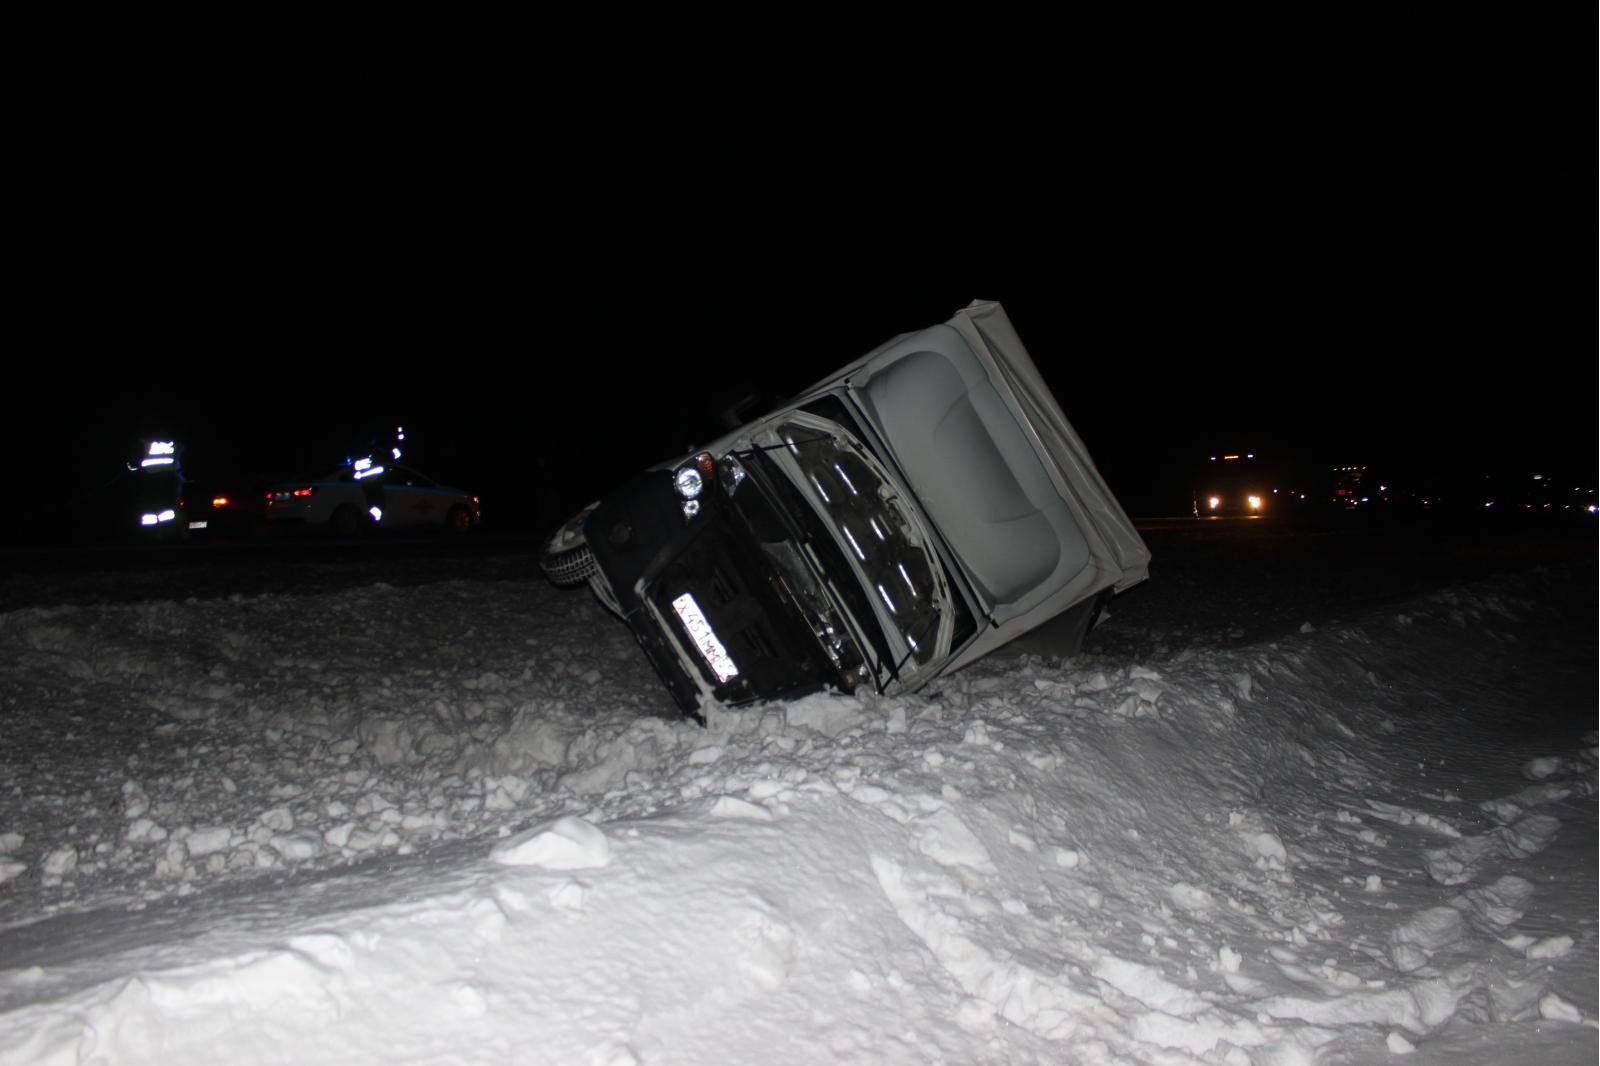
x=1254, y=502
x=1214, y=502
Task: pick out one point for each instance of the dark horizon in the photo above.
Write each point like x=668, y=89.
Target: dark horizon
x=1340, y=235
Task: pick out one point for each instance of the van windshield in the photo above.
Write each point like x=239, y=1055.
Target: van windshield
x=881, y=539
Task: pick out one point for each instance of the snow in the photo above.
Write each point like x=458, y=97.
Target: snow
x=446, y=823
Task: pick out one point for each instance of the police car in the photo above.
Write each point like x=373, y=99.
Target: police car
x=370, y=494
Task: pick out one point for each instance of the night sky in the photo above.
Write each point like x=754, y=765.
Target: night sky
x=552, y=246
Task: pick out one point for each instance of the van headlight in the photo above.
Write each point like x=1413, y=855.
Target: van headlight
x=690, y=479
x=689, y=483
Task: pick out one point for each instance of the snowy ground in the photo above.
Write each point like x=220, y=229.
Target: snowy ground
x=442, y=823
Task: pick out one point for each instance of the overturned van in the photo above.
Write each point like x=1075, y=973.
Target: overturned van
x=917, y=510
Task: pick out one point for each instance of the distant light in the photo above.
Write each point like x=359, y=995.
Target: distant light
x=220, y=501
x=1489, y=504
x=399, y=432
x=1366, y=499
x=1254, y=502
x=1230, y=457
x=368, y=471
x=376, y=513
x=167, y=515
x=156, y=462
x=363, y=464
x=148, y=520
x=396, y=452
x=1538, y=477
x=1250, y=455
x=1213, y=458
x=1592, y=508
x=161, y=447
x=1215, y=502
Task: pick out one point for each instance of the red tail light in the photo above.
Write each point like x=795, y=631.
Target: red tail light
x=304, y=492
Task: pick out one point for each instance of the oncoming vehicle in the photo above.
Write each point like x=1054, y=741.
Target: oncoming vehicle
x=917, y=510
x=371, y=495
x=1232, y=484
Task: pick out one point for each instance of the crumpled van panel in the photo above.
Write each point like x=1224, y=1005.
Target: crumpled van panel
x=970, y=465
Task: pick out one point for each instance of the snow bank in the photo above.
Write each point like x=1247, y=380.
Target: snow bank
x=442, y=824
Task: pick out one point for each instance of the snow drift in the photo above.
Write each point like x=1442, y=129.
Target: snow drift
x=445, y=824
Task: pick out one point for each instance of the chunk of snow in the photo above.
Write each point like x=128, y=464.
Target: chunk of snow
x=733, y=807
x=1399, y=1045
x=1551, y=947
x=1190, y=897
x=59, y=862
x=297, y=847
x=1414, y=942
x=945, y=838
x=278, y=819
x=568, y=843
x=205, y=841
x=143, y=830
x=1556, y=1009
x=1540, y=769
